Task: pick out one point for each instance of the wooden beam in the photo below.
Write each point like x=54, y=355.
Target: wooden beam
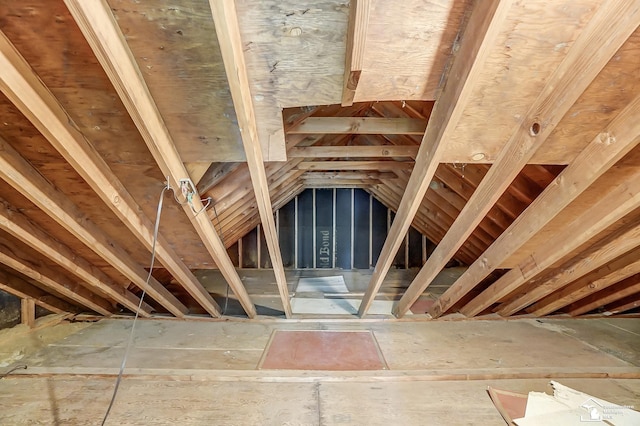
x=624, y=305
x=601, y=278
x=197, y=171
x=606, y=149
x=355, y=165
x=38, y=104
x=18, y=287
x=99, y=27
x=16, y=171
x=393, y=151
x=27, y=312
x=228, y=32
x=350, y=175
x=625, y=288
x=607, y=250
x=18, y=260
x=360, y=126
x=21, y=228
x=623, y=198
x=482, y=29
x=561, y=91
x=354, y=55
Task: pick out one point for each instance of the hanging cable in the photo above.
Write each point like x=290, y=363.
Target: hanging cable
x=135, y=318
x=17, y=367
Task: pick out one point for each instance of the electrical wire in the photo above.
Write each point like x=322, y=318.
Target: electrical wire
x=135, y=318
x=14, y=368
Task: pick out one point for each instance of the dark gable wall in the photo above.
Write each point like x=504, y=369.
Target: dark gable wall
x=326, y=228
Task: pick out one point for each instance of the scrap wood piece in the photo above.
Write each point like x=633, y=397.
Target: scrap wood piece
x=510, y=405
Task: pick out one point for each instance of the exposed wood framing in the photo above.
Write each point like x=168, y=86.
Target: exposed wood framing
x=19, y=174
x=20, y=288
x=624, y=288
x=356, y=37
x=228, y=31
x=561, y=91
x=38, y=104
x=622, y=268
x=23, y=229
x=354, y=165
x=409, y=151
x=623, y=199
x=18, y=260
x=101, y=31
x=360, y=126
x=28, y=312
x=604, y=151
x=483, y=26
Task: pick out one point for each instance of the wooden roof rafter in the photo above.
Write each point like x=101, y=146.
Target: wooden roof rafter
x=106, y=40
x=561, y=91
x=50, y=118
x=592, y=163
x=483, y=26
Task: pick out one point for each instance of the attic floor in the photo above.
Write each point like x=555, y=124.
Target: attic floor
x=206, y=372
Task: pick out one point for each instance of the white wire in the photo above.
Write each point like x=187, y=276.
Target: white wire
x=128, y=347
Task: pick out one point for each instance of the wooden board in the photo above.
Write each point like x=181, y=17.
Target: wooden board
x=176, y=48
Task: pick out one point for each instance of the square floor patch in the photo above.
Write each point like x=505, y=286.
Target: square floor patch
x=322, y=350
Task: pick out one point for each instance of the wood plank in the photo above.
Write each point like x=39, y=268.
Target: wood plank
x=356, y=38
x=24, y=178
x=19, y=261
x=196, y=171
x=482, y=28
x=624, y=288
x=605, y=251
x=228, y=32
x=11, y=284
x=606, y=149
x=27, y=312
x=354, y=165
x=103, y=34
x=20, y=227
x=560, y=92
x=601, y=278
x=39, y=105
x=360, y=126
x=620, y=201
x=624, y=305
x=409, y=151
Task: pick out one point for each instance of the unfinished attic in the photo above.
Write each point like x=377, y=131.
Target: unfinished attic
x=287, y=201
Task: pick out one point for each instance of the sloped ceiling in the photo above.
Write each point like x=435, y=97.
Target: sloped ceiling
x=505, y=131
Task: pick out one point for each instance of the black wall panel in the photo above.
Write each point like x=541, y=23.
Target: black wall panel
x=361, y=221
x=287, y=234
x=305, y=229
x=379, y=229
x=343, y=228
x=324, y=228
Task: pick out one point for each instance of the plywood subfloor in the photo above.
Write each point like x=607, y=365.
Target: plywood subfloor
x=203, y=372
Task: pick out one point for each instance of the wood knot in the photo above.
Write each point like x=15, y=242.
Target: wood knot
x=607, y=138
